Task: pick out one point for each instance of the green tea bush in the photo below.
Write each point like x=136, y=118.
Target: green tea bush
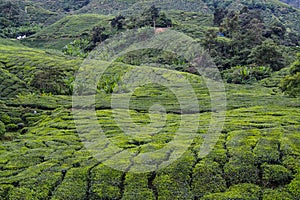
x=137, y=186
x=236, y=172
x=21, y=193
x=5, y=118
x=2, y=129
x=293, y=187
x=266, y=150
x=105, y=183
x=173, y=182
x=237, y=192
x=5, y=190
x=270, y=194
x=12, y=127
x=210, y=173
x=73, y=186
x=274, y=175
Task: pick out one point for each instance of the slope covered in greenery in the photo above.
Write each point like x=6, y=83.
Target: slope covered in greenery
x=66, y=138
x=43, y=157
x=62, y=32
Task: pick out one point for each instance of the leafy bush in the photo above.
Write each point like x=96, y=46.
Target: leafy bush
x=293, y=187
x=291, y=84
x=2, y=129
x=173, y=181
x=156, y=57
x=275, y=175
x=237, y=172
x=244, y=74
x=237, y=192
x=207, y=172
x=266, y=150
x=270, y=194
x=77, y=48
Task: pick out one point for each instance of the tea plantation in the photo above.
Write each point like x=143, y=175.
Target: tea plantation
x=149, y=100
x=44, y=157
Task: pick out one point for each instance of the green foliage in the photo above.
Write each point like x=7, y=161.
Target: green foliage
x=73, y=186
x=244, y=74
x=242, y=191
x=210, y=173
x=293, y=187
x=156, y=58
x=149, y=17
x=238, y=171
x=2, y=129
x=136, y=186
x=26, y=70
x=291, y=83
x=267, y=54
x=274, y=175
x=266, y=150
x=77, y=48
x=105, y=183
x=67, y=29
x=270, y=194
x=47, y=158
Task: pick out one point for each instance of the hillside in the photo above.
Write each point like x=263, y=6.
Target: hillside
x=149, y=100
x=260, y=135
x=294, y=3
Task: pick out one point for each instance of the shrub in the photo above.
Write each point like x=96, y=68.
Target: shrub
x=293, y=187
x=12, y=127
x=270, y=194
x=2, y=129
x=207, y=178
x=275, y=175
x=237, y=192
x=245, y=74
x=237, y=172
x=136, y=187
x=5, y=118
x=4, y=190
x=291, y=84
x=73, y=186
x=266, y=150
x=77, y=48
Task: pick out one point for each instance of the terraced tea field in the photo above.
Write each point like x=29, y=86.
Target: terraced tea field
x=61, y=147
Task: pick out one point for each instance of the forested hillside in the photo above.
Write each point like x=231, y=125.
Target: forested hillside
x=131, y=100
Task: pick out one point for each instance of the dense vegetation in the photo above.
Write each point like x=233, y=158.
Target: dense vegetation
x=43, y=154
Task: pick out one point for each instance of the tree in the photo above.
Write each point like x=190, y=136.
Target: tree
x=150, y=15
x=98, y=34
x=118, y=22
x=219, y=15
x=267, y=54
x=210, y=39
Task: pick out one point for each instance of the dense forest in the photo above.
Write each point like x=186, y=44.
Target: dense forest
x=134, y=99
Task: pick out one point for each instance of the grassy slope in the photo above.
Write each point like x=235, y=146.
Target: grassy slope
x=46, y=160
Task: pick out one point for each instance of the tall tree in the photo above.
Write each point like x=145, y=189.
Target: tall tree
x=267, y=54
